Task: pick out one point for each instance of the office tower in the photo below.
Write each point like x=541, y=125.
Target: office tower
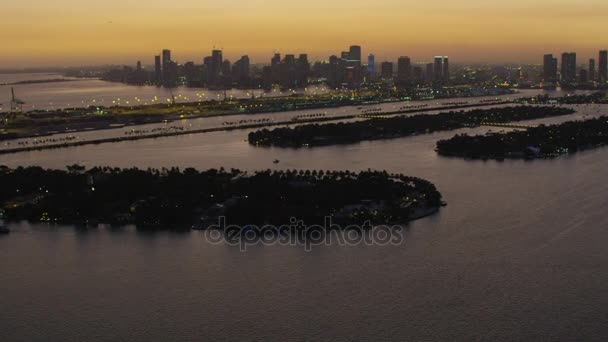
x=404, y=70
x=417, y=77
x=345, y=55
x=170, y=74
x=446, y=70
x=289, y=59
x=241, y=71
x=302, y=70
x=276, y=59
x=275, y=65
x=213, y=66
x=429, y=76
x=169, y=69
x=591, y=70
x=192, y=74
x=549, y=68
x=371, y=67
x=158, y=70
x=333, y=74
x=569, y=67
x=583, y=76
x=138, y=68
x=286, y=72
x=438, y=69
x=166, y=57
x=267, y=77
x=603, y=67
x=387, y=70
x=226, y=67
x=354, y=54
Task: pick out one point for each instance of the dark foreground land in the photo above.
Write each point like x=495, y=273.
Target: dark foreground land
x=538, y=142
x=395, y=127
x=171, y=198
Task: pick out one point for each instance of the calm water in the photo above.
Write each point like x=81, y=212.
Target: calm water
x=519, y=254
x=88, y=92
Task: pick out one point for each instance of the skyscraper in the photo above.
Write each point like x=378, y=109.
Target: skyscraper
x=302, y=70
x=603, y=67
x=354, y=54
x=276, y=59
x=549, y=68
x=371, y=67
x=404, y=70
x=387, y=70
x=169, y=69
x=214, y=67
x=438, y=69
x=591, y=70
x=569, y=67
x=429, y=76
x=158, y=70
x=446, y=70
x=584, y=77
x=241, y=71
x=166, y=57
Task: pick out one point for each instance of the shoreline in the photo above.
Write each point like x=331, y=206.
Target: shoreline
x=102, y=123
x=219, y=129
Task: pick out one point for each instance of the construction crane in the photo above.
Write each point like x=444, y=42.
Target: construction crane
x=16, y=104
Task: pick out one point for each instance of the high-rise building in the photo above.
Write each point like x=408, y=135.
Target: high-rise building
x=158, y=70
x=429, y=76
x=583, y=76
x=241, y=70
x=549, y=68
x=387, y=70
x=371, y=67
x=417, y=76
x=438, y=69
x=213, y=66
x=404, y=70
x=446, y=70
x=276, y=59
x=603, y=67
x=166, y=57
x=333, y=73
x=169, y=69
x=302, y=70
x=569, y=67
x=170, y=74
x=591, y=70
x=354, y=54
x=226, y=68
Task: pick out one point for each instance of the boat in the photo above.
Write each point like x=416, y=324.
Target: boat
x=276, y=161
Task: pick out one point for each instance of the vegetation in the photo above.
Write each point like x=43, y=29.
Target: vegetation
x=595, y=98
x=538, y=142
x=394, y=127
x=171, y=198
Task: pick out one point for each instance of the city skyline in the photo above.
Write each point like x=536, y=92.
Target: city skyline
x=65, y=33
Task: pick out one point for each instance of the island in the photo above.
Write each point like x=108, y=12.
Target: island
x=384, y=127
x=192, y=199
x=534, y=143
x=580, y=99
x=100, y=114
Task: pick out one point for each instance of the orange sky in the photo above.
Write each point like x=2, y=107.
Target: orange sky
x=86, y=32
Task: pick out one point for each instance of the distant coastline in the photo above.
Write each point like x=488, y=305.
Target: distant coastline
x=53, y=80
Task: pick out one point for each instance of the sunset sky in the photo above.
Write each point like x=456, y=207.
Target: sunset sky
x=87, y=32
